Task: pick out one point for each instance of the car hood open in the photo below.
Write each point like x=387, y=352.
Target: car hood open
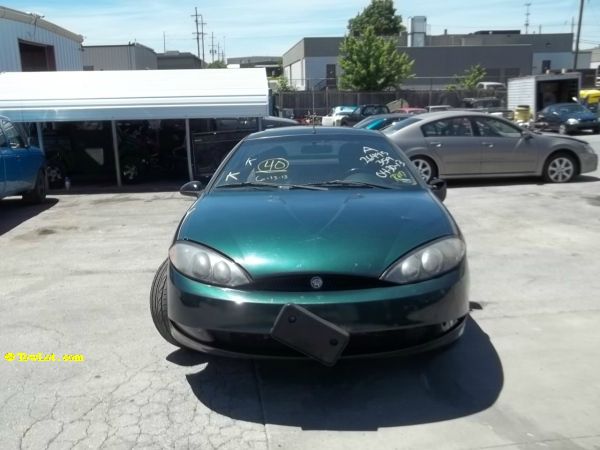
x=343, y=231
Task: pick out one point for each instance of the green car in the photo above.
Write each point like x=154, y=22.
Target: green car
x=319, y=242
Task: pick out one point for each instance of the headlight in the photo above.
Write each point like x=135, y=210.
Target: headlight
x=427, y=262
x=203, y=264
x=572, y=121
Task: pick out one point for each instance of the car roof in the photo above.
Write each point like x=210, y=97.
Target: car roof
x=308, y=131
x=388, y=115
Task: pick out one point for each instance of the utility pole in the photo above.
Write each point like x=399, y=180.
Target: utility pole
x=218, y=52
x=527, y=5
x=199, y=34
x=212, y=47
x=164, y=42
x=578, y=34
x=540, y=31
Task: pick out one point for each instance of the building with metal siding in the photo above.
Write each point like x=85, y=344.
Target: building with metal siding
x=132, y=56
x=313, y=63
x=30, y=43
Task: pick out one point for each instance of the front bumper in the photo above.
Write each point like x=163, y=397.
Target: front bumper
x=383, y=320
x=588, y=162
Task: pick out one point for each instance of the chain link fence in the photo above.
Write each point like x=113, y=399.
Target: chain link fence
x=323, y=94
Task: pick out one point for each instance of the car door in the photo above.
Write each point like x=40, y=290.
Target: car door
x=11, y=155
x=505, y=148
x=454, y=142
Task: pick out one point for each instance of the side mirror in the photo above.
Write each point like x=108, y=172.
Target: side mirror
x=439, y=188
x=526, y=134
x=191, y=188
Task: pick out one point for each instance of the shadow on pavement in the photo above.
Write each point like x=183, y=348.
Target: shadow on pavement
x=14, y=212
x=354, y=395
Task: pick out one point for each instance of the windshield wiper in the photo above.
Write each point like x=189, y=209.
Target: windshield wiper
x=259, y=184
x=344, y=183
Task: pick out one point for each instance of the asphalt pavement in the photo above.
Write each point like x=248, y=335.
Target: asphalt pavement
x=75, y=276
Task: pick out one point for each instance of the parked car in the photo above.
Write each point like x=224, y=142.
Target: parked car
x=361, y=112
x=275, y=258
x=22, y=166
x=410, y=110
x=567, y=118
x=462, y=144
x=335, y=116
x=437, y=108
x=491, y=85
x=379, y=121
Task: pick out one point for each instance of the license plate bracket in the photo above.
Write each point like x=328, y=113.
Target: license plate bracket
x=309, y=334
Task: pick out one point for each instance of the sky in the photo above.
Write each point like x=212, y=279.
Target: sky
x=271, y=27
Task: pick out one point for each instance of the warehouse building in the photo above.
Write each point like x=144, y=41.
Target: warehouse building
x=131, y=56
x=29, y=44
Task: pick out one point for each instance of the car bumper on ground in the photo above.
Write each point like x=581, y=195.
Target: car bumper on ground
x=385, y=320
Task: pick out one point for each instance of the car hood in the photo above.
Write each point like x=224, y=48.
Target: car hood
x=343, y=231
x=583, y=115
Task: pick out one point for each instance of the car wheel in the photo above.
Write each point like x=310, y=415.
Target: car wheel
x=562, y=129
x=560, y=168
x=426, y=167
x=130, y=171
x=38, y=193
x=158, y=304
x=55, y=172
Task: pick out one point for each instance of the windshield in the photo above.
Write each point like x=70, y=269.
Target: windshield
x=401, y=124
x=334, y=161
x=572, y=108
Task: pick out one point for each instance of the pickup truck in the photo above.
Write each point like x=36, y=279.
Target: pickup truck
x=22, y=166
x=361, y=112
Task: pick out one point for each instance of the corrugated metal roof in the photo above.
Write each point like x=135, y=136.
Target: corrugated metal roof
x=133, y=95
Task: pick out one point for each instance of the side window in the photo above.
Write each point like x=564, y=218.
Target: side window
x=368, y=111
x=14, y=138
x=489, y=127
x=455, y=127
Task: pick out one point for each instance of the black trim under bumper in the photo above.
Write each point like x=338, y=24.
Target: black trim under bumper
x=439, y=341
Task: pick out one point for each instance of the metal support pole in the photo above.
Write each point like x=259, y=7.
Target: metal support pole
x=188, y=146
x=40, y=136
x=260, y=123
x=116, y=151
x=578, y=34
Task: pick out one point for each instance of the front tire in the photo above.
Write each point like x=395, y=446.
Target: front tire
x=560, y=168
x=38, y=193
x=426, y=167
x=158, y=304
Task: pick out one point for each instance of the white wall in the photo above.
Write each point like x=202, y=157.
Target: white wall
x=316, y=68
x=67, y=52
x=296, y=77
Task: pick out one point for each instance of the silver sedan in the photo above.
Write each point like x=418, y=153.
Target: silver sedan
x=461, y=144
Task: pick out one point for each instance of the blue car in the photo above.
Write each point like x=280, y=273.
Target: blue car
x=22, y=166
x=567, y=118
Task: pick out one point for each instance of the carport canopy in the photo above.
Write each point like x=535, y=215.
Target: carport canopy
x=133, y=95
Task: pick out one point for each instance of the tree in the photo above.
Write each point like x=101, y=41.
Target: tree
x=379, y=14
x=469, y=79
x=283, y=85
x=217, y=65
x=372, y=63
